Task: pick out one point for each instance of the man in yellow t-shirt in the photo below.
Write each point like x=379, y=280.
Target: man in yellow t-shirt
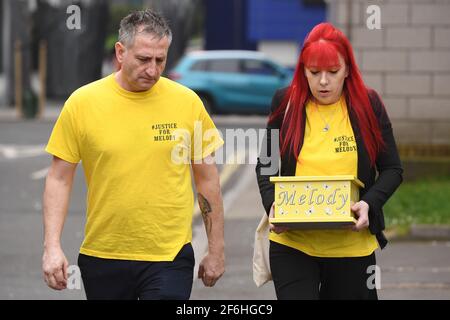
x=137, y=135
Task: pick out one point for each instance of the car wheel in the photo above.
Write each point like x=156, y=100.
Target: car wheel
x=207, y=102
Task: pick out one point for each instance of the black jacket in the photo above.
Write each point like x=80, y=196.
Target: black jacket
x=377, y=189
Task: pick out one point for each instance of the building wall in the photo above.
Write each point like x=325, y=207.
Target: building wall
x=283, y=52
x=275, y=27
x=226, y=25
x=280, y=26
x=407, y=61
x=283, y=19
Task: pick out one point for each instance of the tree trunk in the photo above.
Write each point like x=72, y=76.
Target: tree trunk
x=75, y=56
x=16, y=27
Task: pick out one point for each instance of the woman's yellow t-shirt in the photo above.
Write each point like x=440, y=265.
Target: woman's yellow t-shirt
x=328, y=152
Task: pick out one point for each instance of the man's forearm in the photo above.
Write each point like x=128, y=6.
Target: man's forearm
x=211, y=207
x=55, y=204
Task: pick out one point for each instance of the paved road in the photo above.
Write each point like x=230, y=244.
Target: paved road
x=418, y=270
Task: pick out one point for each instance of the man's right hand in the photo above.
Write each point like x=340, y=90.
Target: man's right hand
x=54, y=266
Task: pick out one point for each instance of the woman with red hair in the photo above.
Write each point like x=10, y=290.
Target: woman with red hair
x=330, y=123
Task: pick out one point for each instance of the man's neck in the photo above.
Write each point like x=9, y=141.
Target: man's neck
x=122, y=82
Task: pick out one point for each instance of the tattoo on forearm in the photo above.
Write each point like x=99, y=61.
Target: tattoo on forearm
x=205, y=209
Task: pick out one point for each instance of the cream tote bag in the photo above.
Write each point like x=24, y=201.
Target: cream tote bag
x=261, y=263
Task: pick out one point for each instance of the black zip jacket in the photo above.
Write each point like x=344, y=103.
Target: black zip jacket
x=377, y=189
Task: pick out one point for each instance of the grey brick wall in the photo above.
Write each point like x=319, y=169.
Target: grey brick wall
x=407, y=61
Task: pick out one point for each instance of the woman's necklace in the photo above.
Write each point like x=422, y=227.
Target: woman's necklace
x=326, y=128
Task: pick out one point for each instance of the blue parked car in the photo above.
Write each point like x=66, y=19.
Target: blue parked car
x=232, y=81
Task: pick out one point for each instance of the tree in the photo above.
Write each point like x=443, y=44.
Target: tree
x=75, y=32
x=16, y=27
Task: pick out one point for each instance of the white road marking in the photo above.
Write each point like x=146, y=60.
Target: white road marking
x=21, y=151
x=200, y=240
x=226, y=173
x=41, y=174
x=12, y=152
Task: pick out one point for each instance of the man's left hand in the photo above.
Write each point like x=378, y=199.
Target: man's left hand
x=211, y=269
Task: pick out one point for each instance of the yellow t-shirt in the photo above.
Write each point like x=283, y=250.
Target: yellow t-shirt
x=332, y=152
x=136, y=150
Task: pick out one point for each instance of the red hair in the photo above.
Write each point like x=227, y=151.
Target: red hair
x=321, y=49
